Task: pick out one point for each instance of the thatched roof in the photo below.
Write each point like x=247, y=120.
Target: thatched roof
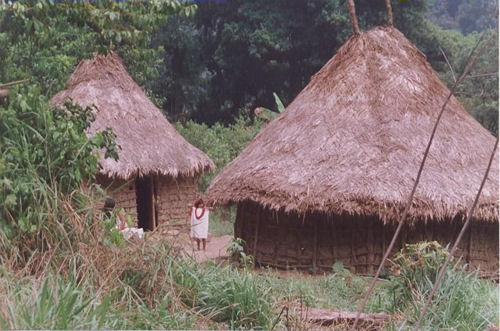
x=353, y=139
x=149, y=143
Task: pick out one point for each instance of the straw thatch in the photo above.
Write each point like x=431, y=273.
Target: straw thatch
x=149, y=143
x=353, y=139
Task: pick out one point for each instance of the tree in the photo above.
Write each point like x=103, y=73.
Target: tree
x=45, y=40
x=244, y=51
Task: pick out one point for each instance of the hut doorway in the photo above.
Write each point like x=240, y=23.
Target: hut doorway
x=145, y=192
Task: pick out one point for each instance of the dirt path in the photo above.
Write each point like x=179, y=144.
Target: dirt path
x=179, y=237
x=216, y=248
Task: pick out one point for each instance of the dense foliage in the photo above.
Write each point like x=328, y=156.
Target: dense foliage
x=45, y=40
x=221, y=143
x=234, y=55
x=466, y=15
x=44, y=152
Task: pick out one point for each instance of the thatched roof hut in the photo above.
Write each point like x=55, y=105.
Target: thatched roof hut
x=150, y=145
x=352, y=141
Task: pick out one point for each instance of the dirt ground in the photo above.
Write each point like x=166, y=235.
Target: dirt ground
x=216, y=248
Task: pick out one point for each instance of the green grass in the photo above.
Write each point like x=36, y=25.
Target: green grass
x=152, y=288
x=463, y=300
x=222, y=222
x=341, y=291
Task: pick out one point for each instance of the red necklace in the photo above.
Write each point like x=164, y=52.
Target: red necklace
x=196, y=213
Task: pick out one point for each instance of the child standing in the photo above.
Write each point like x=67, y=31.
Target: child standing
x=199, y=223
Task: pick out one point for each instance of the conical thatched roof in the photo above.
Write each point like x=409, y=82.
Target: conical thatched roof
x=149, y=143
x=353, y=139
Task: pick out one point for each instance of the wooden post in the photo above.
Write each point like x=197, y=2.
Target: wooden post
x=389, y=13
x=469, y=246
x=371, y=254
x=315, y=246
x=151, y=220
x=238, y=223
x=352, y=14
x=354, y=228
x=334, y=237
x=256, y=237
x=156, y=181
x=383, y=237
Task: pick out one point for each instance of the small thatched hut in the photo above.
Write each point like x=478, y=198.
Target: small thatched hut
x=327, y=180
x=156, y=175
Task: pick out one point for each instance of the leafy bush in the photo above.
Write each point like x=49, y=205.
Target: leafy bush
x=221, y=143
x=463, y=301
x=415, y=266
x=45, y=154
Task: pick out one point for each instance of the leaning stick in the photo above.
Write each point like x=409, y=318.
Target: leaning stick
x=455, y=245
x=17, y=82
x=470, y=63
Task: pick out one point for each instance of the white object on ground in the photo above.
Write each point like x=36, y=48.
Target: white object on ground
x=132, y=232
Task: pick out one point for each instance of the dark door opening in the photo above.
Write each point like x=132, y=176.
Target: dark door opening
x=145, y=206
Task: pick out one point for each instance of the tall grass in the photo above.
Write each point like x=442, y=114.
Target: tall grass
x=341, y=290
x=462, y=302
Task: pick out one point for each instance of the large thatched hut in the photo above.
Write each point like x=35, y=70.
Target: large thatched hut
x=156, y=175
x=327, y=180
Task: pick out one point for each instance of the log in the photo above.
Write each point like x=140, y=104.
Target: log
x=324, y=316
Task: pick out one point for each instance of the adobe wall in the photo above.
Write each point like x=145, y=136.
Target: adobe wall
x=123, y=192
x=175, y=196
x=318, y=241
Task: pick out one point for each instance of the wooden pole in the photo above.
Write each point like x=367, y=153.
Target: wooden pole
x=469, y=246
x=352, y=15
x=256, y=237
x=389, y=13
x=315, y=246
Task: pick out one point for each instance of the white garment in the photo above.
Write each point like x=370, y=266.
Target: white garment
x=132, y=232
x=199, y=227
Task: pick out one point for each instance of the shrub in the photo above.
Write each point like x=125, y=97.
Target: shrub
x=45, y=154
x=221, y=143
x=463, y=301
